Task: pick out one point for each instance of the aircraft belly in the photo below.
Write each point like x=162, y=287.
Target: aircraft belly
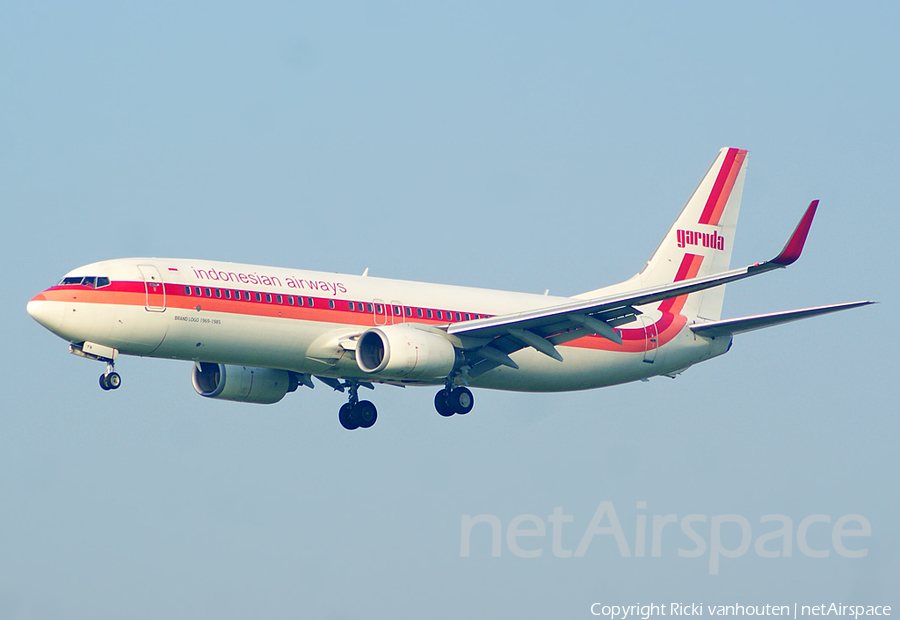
x=270, y=342
x=583, y=369
x=131, y=330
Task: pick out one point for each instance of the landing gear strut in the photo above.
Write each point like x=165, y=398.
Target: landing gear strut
x=357, y=413
x=456, y=400
x=110, y=380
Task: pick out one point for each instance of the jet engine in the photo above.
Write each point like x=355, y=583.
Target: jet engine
x=404, y=352
x=242, y=383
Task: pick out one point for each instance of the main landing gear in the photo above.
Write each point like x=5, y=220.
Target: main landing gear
x=357, y=413
x=110, y=380
x=457, y=400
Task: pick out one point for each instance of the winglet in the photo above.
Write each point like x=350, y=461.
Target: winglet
x=794, y=246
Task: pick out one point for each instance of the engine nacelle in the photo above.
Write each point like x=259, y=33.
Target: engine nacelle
x=404, y=352
x=242, y=383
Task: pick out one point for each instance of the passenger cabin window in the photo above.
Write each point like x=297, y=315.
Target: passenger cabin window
x=197, y=291
x=208, y=292
x=268, y=298
x=352, y=306
x=279, y=299
x=227, y=294
x=219, y=293
x=408, y=311
x=259, y=297
x=428, y=312
x=331, y=304
x=187, y=290
x=311, y=301
x=247, y=296
x=419, y=312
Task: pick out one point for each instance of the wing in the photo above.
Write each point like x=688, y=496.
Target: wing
x=488, y=342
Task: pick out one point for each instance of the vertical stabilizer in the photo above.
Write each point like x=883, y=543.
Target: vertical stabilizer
x=700, y=241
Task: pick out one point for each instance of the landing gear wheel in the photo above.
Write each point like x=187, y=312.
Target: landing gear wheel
x=365, y=413
x=113, y=380
x=461, y=400
x=442, y=404
x=348, y=418
x=110, y=381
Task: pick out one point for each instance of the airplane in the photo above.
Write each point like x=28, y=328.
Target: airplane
x=255, y=333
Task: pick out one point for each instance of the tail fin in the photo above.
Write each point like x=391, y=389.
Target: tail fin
x=699, y=243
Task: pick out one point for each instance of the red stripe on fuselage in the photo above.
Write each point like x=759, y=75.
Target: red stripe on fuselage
x=132, y=294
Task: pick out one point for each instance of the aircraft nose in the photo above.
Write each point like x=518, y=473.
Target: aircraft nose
x=47, y=313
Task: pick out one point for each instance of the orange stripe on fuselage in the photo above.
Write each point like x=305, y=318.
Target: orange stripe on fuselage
x=634, y=340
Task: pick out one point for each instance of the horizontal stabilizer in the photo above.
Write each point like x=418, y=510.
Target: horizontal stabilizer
x=749, y=323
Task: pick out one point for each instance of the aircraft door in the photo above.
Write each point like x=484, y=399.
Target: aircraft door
x=381, y=312
x=651, y=339
x=396, y=312
x=155, y=300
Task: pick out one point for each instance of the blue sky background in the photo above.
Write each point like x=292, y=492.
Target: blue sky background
x=510, y=145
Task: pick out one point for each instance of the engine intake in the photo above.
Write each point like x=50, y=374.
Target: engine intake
x=242, y=383
x=405, y=352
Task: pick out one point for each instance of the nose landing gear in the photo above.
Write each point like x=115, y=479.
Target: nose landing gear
x=110, y=380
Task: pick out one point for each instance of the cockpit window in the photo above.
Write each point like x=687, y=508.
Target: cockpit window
x=88, y=281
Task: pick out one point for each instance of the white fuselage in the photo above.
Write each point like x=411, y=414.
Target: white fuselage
x=189, y=310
